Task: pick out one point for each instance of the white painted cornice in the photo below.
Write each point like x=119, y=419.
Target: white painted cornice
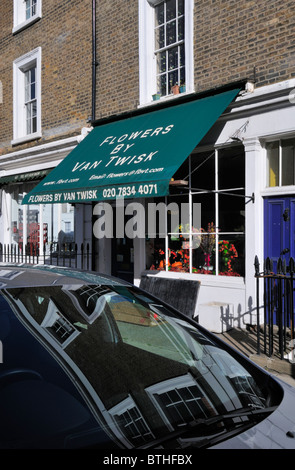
x=41, y=156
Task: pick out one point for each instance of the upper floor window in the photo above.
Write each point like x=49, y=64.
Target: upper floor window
x=30, y=100
x=169, y=45
x=31, y=8
x=27, y=97
x=165, y=48
x=25, y=12
x=281, y=162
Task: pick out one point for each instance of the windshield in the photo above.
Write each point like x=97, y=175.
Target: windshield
x=143, y=370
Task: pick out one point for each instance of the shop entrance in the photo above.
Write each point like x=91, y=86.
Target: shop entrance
x=122, y=252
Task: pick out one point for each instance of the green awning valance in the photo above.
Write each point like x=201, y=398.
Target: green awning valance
x=24, y=177
x=132, y=157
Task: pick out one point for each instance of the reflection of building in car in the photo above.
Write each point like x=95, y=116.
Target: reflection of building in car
x=145, y=373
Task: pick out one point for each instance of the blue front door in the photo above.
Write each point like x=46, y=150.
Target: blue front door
x=279, y=228
x=279, y=242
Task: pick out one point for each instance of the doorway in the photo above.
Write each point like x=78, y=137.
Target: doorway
x=279, y=232
x=122, y=253
x=279, y=242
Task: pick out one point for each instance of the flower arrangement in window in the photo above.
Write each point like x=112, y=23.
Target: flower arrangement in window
x=227, y=252
x=207, y=243
x=203, y=242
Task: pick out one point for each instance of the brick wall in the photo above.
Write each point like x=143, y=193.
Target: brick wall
x=65, y=35
x=6, y=11
x=231, y=37
x=117, y=44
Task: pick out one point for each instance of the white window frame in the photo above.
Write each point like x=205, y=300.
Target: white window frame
x=147, y=58
x=21, y=65
x=19, y=15
x=280, y=184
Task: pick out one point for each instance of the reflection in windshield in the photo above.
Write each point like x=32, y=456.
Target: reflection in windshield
x=143, y=370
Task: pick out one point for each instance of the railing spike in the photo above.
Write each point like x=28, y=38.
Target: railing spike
x=284, y=267
x=256, y=265
x=279, y=266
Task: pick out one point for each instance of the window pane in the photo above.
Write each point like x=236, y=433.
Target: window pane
x=203, y=250
x=27, y=85
x=178, y=252
x=172, y=79
x=231, y=164
x=30, y=6
x=160, y=37
x=180, y=7
x=159, y=14
x=232, y=212
x=33, y=91
x=170, y=9
x=182, y=76
x=273, y=163
x=171, y=33
x=203, y=171
x=207, y=202
x=231, y=255
x=181, y=55
x=28, y=10
x=34, y=119
x=28, y=117
x=173, y=58
x=161, y=62
x=162, y=85
x=181, y=28
x=178, y=214
x=288, y=162
x=34, y=3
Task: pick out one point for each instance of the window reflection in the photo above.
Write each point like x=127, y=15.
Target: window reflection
x=146, y=370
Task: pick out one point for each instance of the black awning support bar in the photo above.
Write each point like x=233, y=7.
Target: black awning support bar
x=223, y=191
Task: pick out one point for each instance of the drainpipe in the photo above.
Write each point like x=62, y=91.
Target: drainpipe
x=94, y=61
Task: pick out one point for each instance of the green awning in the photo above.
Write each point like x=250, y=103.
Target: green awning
x=24, y=177
x=132, y=157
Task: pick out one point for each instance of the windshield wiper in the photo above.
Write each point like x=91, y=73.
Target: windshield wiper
x=189, y=427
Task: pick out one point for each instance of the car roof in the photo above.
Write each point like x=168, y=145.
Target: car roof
x=22, y=275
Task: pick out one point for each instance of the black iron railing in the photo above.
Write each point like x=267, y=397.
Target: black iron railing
x=67, y=254
x=277, y=306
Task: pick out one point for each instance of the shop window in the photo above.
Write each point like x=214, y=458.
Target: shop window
x=214, y=243
x=25, y=12
x=281, y=163
x=27, y=97
x=165, y=48
x=40, y=228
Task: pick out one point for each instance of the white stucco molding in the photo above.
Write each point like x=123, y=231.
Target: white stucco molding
x=41, y=156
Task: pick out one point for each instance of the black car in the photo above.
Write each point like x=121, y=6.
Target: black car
x=91, y=362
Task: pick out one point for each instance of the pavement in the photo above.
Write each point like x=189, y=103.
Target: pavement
x=245, y=341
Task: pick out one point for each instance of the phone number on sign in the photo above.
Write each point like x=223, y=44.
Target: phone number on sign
x=124, y=191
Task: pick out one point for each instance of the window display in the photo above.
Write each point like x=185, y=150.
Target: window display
x=216, y=245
